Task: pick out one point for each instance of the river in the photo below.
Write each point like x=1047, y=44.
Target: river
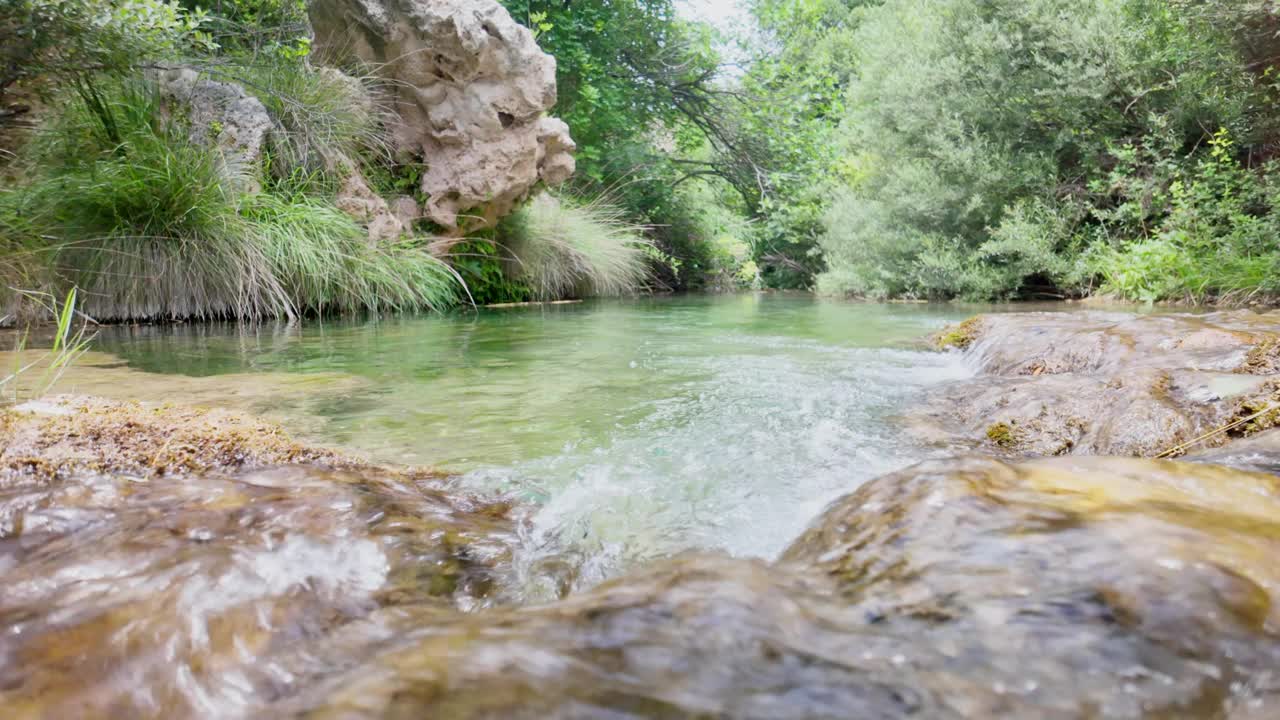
x=637, y=428
x=668, y=553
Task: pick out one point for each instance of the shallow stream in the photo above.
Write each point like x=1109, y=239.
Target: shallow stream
x=637, y=428
x=160, y=562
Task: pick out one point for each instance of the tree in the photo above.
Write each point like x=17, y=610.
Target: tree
x=70, y=41
x=965, y=115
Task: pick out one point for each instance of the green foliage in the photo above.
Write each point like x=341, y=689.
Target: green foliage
x=557, y=248
x=274, y=29
x=480, y=264
x=985, y=145
x=623, y=69
x=69, y=39
x=325, y=121
x=156, y=226
x=23, y=263
x=637, y=86
x=1215, y=240
x=70, y=340
x=561, y=248
x=325, y=264
x=787, y=151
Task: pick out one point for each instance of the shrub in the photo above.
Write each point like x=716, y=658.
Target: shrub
x=1215, y=242
x=987, y=135
x=563, y=248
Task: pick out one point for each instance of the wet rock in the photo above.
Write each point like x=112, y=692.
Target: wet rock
x=1062, y=588
x=1090, y=587
x=1258, y=452
x=1046, y=343
x=160, y=598
x=471, y=88
x=968, y=588
x=1262, y=359
x=1099, y=383
x=57, y=437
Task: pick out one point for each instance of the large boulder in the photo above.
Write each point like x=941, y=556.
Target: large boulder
x=470, y=89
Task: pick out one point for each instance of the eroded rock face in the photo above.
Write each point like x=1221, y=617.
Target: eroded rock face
x=358, y=200
x=470, y=88
x=1101, y=383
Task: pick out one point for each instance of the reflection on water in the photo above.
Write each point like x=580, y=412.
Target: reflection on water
x=640, y=428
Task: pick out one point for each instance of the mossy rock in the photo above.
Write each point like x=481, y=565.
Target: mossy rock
x=1003, y=434
x=960, y=336
x=1266, y=408
x=1263, y=358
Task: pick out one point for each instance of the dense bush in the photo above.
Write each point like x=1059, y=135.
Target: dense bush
x=997, y=149
x=1216, y=238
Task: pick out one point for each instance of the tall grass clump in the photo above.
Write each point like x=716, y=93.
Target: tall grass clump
x=325, y=263
x=155, y=225
x=23, y=264
x=144, y=220
x=562, y=248
x=324, y=119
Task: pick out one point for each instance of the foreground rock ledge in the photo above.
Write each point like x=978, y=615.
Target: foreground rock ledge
x=962, y=589
x=1059, y=588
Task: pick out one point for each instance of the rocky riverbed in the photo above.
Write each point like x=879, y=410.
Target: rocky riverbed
x=169, y=562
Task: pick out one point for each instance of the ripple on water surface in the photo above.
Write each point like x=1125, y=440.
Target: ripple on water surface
x=639, y=428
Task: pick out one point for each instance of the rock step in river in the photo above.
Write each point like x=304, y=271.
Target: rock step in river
x=210, y=567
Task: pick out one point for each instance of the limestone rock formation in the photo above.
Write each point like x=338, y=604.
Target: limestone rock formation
x=470, y=91
x=221, y=114
x=358, y=200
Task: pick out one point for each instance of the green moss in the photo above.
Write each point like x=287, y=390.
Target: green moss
x=1267, y=409
x=1262, y=359
x=1003, y=434
x=959, y=336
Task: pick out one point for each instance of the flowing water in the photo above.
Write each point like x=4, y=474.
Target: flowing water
x=637, y=428
x=676, y=445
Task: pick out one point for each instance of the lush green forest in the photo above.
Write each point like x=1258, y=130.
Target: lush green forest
x=975, y=149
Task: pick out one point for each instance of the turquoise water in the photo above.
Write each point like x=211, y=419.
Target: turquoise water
x=637, y=428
